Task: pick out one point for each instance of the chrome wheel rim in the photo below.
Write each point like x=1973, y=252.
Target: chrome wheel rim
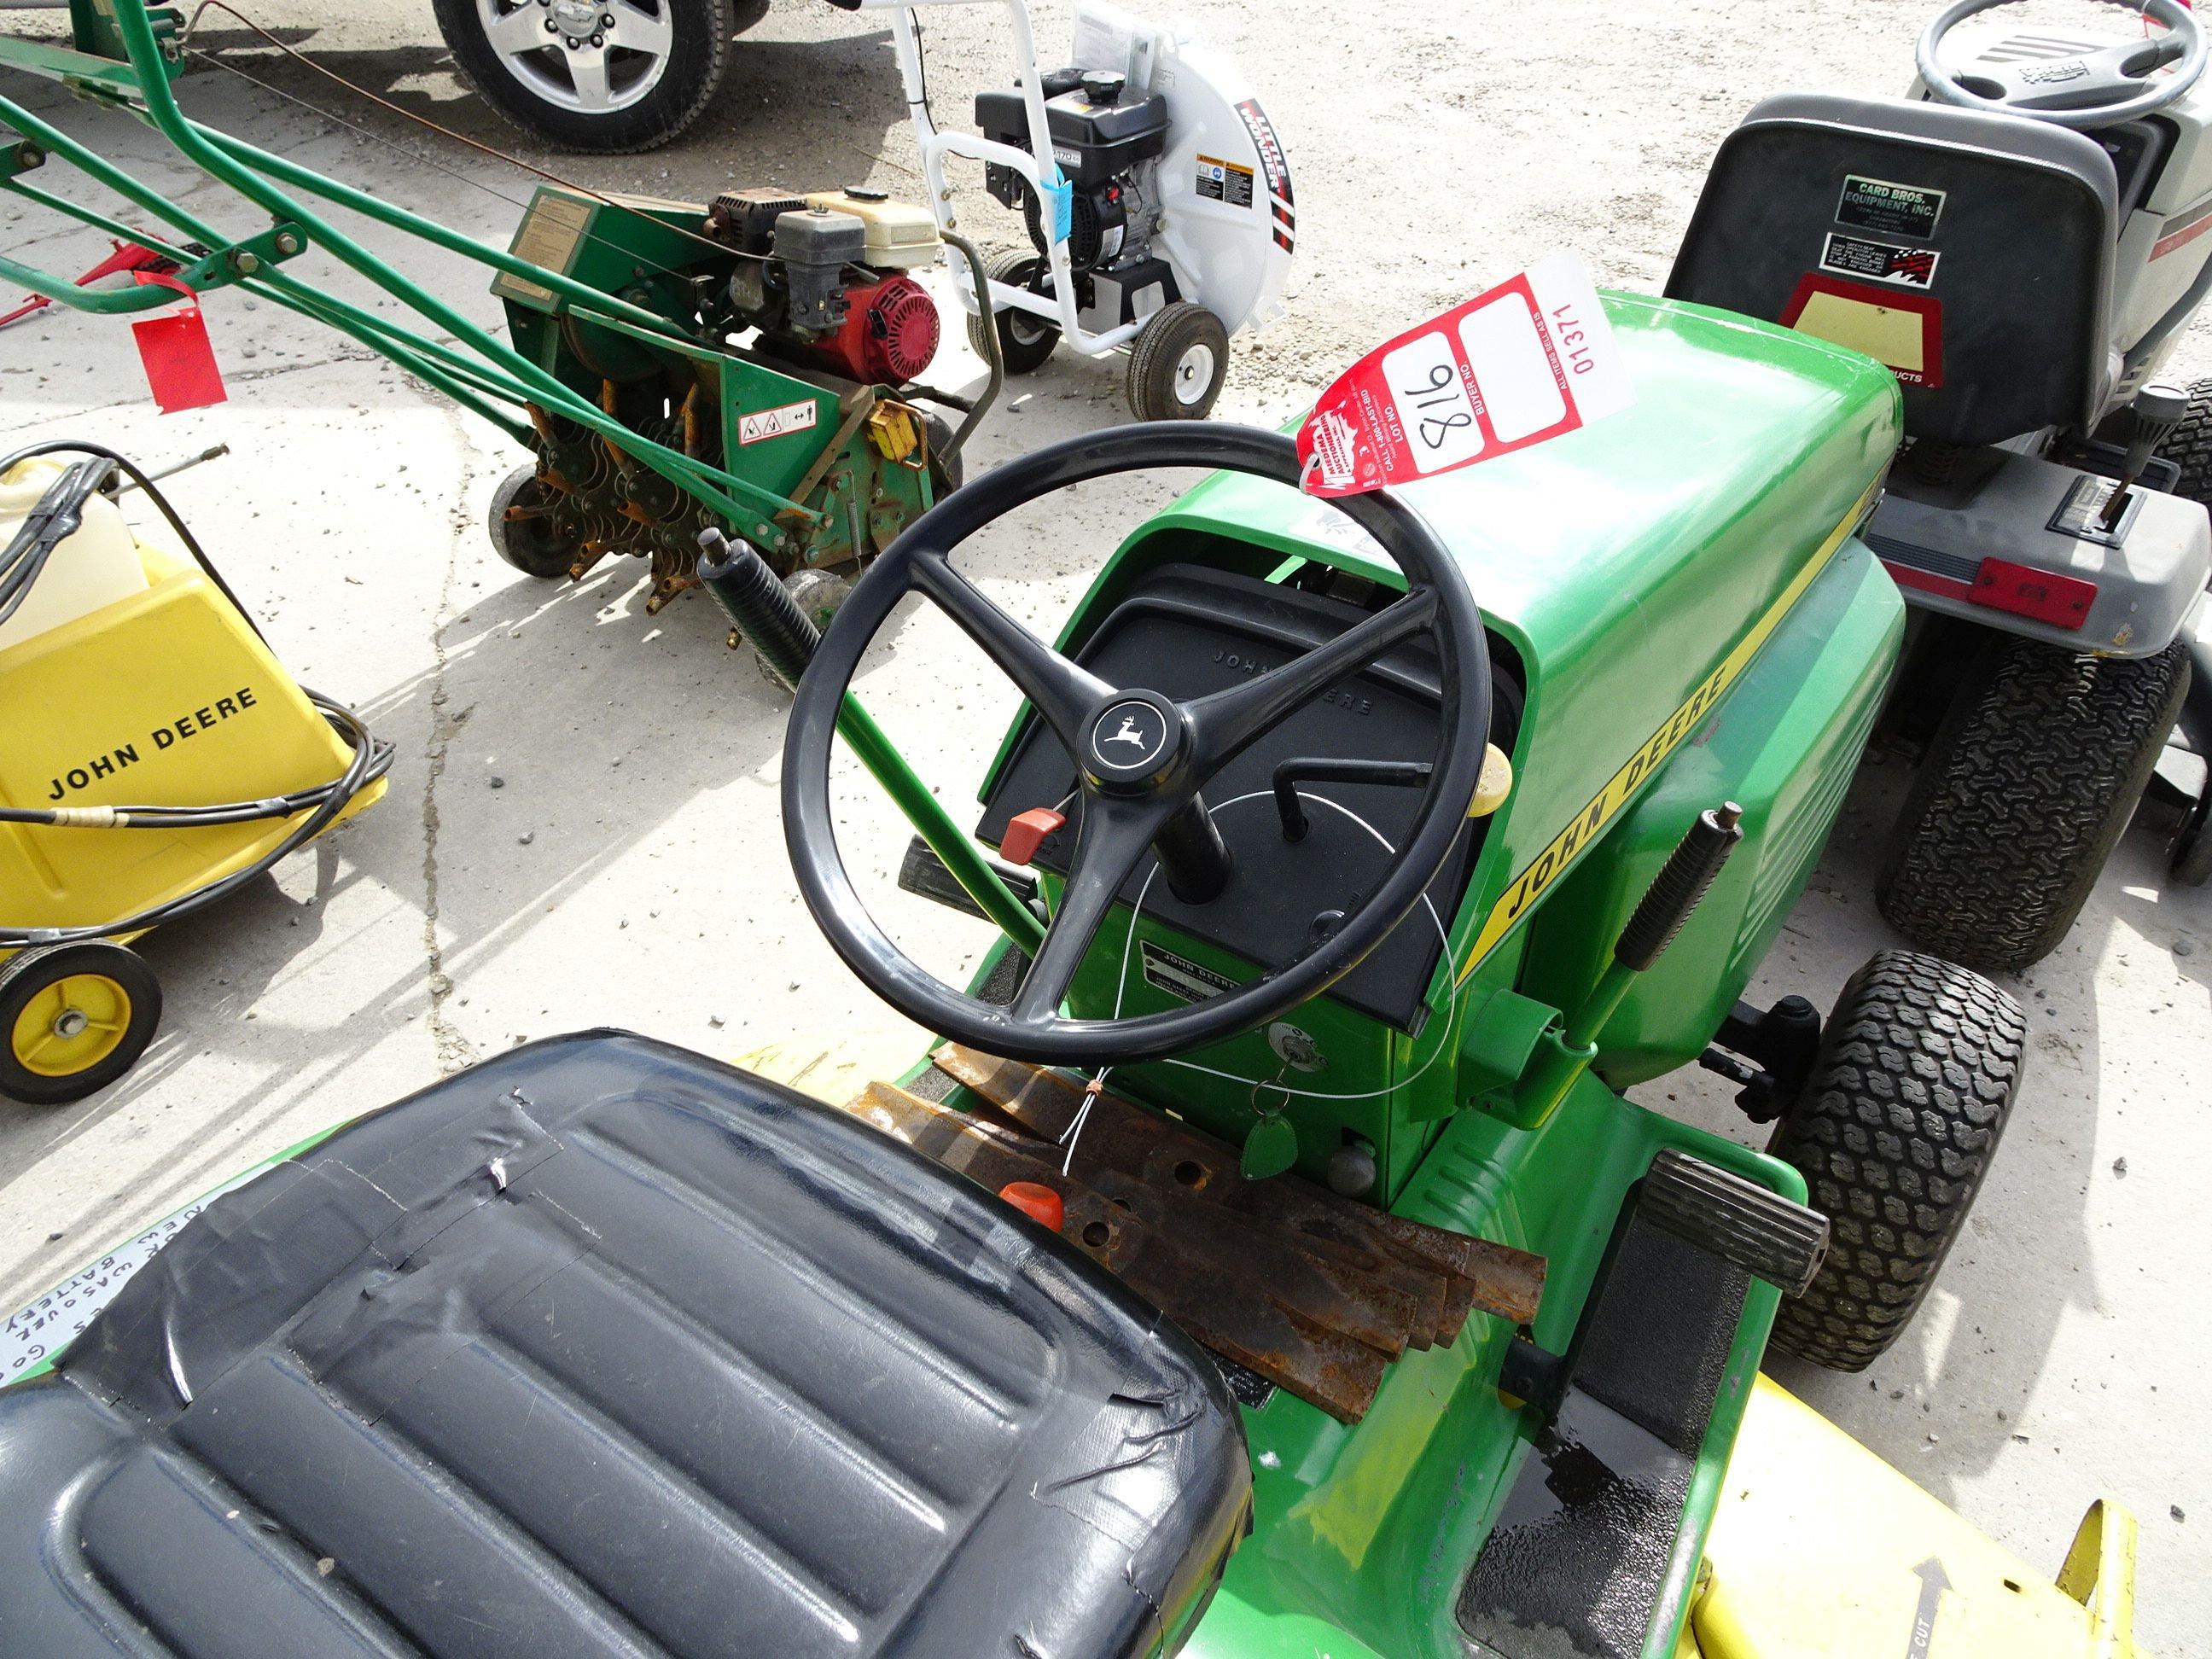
x=595, y=57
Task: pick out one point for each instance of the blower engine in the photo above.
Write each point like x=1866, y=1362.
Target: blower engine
x=1106, y=138
x=826, y=275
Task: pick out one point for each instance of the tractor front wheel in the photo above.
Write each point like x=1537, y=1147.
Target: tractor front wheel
x=2030, y=779
x=522, y=527
x=73, y=1019
x=1893, y=1132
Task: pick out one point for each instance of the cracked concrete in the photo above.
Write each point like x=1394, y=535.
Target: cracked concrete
x=1435, y=151
x=454, y=1050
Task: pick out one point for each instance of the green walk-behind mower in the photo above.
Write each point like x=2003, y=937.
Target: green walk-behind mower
x=753, y=364
x=1265, y=1260
x=2022, y=241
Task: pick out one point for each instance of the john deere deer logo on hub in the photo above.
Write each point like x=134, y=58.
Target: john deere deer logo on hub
x=166, y=736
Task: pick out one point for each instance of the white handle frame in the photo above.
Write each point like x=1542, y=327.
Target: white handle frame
x=1034, y=165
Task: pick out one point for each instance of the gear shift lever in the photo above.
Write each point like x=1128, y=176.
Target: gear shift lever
x=2158, y=407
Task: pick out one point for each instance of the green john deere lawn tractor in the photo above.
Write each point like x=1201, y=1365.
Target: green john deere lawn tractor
x=1265, y=1260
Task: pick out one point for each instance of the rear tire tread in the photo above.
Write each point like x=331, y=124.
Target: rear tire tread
x=2027, y=784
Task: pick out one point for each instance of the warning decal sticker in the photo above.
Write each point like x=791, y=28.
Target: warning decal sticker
x=1224, y=182
x=766, y=423
x=1884, y=262
x=1899, y=209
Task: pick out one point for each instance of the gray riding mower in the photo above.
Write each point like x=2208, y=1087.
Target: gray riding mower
x=2021, y=241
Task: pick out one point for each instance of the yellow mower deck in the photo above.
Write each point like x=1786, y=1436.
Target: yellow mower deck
x=1818, y=1547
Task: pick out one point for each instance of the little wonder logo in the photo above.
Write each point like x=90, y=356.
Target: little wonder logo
x=166, y=736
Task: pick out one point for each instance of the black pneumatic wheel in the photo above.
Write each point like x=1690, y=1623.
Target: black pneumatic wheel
x=2189, y=446
x=1892, y=1134
x=945, y=472
x=522, y=524
x=2029, y=780
x=602, y=76
x=1025, y=342
x=1178, y=364
x=73, y=1019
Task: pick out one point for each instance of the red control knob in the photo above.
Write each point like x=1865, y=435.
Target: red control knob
x=1035, y=1200
x=1025, y=833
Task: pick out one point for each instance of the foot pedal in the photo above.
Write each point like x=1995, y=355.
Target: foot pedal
x=1742, y=1223
x=922, y=871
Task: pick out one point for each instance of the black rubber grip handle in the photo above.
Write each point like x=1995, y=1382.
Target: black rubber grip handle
x=1671, y=898
x=760, y=606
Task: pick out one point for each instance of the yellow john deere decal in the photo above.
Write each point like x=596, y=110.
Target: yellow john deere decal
x=1583, y=828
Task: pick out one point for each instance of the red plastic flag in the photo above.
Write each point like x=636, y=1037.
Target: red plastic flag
x=180, y=366
x=1532, y=360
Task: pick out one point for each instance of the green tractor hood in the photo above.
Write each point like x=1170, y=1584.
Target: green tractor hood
x=1634, y=566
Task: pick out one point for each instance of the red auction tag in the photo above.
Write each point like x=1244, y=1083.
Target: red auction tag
x=180, y=362
x=1531, y=360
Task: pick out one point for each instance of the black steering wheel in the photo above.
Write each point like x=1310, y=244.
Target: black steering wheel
x=2096, y=89
x=1141, y=758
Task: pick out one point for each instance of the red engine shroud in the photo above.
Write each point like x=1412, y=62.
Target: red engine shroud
x=890, y=333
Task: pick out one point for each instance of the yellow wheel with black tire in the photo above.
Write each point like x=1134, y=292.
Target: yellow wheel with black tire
x=73, y=1019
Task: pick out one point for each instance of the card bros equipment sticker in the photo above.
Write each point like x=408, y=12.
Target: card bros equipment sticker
x=1896, y=209
x=1531, y=360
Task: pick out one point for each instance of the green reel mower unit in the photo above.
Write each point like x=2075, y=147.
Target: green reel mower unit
x=751, y=365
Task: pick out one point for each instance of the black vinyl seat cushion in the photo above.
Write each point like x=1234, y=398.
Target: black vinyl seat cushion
x=602, y=1347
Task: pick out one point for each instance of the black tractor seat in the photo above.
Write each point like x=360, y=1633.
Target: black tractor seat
x=602, y=1347
x=1987, y=287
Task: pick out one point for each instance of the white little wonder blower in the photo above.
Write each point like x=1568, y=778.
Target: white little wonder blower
x=1157, y=198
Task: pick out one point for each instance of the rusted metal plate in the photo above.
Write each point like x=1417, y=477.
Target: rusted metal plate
x=1233, y=1299
x=1162, y=1153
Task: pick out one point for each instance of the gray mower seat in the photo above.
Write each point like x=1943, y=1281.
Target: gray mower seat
x=604, y=1348
x=2015, y=262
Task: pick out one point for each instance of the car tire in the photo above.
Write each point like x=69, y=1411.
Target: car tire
x=1894, y=1132
x=652, y=91
x=2030, y=777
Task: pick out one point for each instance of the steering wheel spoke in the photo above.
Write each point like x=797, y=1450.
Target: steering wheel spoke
x=1115, y=835
x=1225, y=723
x=1061, y=691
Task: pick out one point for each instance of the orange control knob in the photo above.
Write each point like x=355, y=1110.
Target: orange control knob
x=1025, y=833
x=1035, y=1200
